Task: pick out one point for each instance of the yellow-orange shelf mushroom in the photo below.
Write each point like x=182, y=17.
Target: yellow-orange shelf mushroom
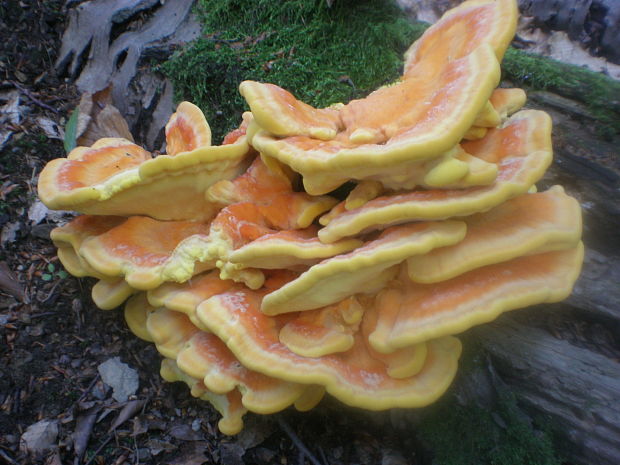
x=450, y=74
x=355, y=377
x=525, y=225
x=256, y=308
x=370, y=145
x=364, y=270
x=228, y=405
x=521, y=149
x=203, y=356
x=408, y=313
x=117, y=177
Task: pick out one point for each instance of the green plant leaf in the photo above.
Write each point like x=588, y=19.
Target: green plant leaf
x=62, y=274
x=46, y=277
x=71, y=131
x=51, y=268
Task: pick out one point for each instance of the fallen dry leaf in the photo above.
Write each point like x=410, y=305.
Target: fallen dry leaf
x=185, y=433
x=9, y=115
x=51, y=128
x=37, y=212
x=98, y=118
x=191, y=454
x=128, y=411
x=8, y=282
x=83, y=429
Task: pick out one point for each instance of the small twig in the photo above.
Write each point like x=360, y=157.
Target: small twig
x=35, y=100
x=52, y=290
x=6, y=457
x=41, y=315
x=298, y=442
x=325, y=461
x=99, y=449
x=136, y=459
x=17, y=401
x=89, y=388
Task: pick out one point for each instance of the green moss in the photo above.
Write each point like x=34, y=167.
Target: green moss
x=473, y=435
x=326, y=55
x=595, y=90
x=323, y=55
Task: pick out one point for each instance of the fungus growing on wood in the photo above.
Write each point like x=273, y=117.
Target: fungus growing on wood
x=525, y=225
x=116, y=177
x=187, y=130
x=355, y=377
x=140, y=249
x=324, y=330
x=450, y=74
x=202, y=356
x=228, y=405
x=416, y=312
x=463, y=29
x=364, y=270
x=253, y=306
x=185, y=297
x=521, y=149
x=206, y=357
x=289, y=249
x=380, y=134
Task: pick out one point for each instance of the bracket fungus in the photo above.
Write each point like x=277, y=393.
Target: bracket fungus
x=117, y=177
x=258, y=304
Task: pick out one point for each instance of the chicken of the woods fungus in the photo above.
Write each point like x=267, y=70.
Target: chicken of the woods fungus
x=260, y=295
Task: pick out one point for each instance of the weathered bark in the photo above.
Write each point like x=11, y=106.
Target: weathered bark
x=595, y=23
x=576, y=387
x=107, y=40
x=563, y=360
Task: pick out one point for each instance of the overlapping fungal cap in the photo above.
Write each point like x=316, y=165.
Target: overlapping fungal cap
x=185, y=297
x=277, y=208
x=380, y=134
x=148, y=252
x=187, y=130
x=463, y=29
x=354, y=376
x=450, y=73
x=203, y=356
x=524, y=225
x=288, y=250
x=117, y=177
x=522, y=151
x=334, y=328
x=110, y=291
x=365, y=270
x=228, y=405
x=139, y=248
x=503, y=103
x=409, y=313
x=254, y=306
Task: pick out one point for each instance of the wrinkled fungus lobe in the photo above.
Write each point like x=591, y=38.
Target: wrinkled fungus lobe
x=262, y=292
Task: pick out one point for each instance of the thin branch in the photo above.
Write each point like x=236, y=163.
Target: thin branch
x=99, y=449
x=89, y=388
x=298, y=442
x=6, y=457
x=35, y=100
